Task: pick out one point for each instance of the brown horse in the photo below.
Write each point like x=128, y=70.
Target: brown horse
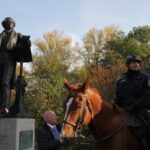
x=108, y=122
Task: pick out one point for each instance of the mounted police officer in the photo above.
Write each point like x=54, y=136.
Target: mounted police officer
x=8, y=40
x=133, y=95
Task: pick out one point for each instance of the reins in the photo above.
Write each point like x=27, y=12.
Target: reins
x=78, y=126
x=81, y=118
x=124, y=122
x=111, y=134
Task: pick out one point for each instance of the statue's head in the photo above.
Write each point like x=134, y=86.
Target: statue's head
x=8, y=23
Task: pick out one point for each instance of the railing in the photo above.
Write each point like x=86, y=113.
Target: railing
x=87, y=143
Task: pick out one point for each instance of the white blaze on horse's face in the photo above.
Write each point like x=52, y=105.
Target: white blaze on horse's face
x=68, y=104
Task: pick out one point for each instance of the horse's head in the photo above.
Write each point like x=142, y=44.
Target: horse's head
x=108, y=122
x=78, y=108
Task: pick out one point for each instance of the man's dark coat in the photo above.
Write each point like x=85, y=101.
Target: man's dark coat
x=45, y=138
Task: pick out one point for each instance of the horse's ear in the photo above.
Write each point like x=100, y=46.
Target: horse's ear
x=85, y=85
x=66, y=84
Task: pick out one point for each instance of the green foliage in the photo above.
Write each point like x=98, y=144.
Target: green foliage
x=110, y=59
x=141, y=34
x=49, y=69
x=136, y=42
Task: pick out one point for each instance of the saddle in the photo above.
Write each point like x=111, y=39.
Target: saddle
x=139, y=124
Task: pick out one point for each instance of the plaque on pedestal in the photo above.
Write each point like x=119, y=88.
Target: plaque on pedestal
x=17, y=134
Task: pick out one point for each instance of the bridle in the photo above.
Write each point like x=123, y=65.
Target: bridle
x=78, y=126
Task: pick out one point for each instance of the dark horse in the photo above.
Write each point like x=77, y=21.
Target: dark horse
x=108, y=122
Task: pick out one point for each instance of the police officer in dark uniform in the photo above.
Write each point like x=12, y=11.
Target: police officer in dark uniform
x=8, y=40
x=133, y=91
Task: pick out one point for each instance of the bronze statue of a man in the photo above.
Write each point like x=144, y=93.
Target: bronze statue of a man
x=8, y=40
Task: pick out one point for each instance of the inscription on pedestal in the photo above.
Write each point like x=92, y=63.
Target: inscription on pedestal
x=25, y=140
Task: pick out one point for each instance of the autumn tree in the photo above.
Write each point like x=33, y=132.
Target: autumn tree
x=55, y=56
x=95, y=50
x=137, y=41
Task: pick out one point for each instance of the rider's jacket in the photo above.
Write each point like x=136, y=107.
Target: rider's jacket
x=133, y=91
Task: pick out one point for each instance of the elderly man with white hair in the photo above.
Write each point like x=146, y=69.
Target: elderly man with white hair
x=48, y=135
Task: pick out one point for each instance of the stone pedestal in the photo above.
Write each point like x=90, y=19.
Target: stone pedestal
x=17, y=134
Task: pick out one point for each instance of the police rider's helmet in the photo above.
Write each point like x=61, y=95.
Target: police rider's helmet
x=133, y=58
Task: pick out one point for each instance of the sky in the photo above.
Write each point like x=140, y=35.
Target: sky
x=74, y=17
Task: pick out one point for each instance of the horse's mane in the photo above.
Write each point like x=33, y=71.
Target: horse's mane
x=112, y=105
x=94, y=90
